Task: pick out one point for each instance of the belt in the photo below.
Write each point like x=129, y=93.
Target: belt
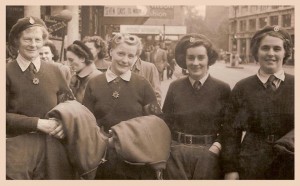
x=193, y=139
x=269, y=138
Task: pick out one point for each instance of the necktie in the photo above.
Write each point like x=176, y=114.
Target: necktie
x=32, y=68
x=197, y=85
x=270, y=83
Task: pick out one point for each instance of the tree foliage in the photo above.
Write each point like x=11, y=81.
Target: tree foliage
x=195, y=23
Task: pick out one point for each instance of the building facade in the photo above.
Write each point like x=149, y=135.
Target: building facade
x=246, y=20
x=148, y=22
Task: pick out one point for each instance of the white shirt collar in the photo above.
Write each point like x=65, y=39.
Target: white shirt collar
x=24, y=63
x=202, y=80
x=110, y=76
x=263, y=77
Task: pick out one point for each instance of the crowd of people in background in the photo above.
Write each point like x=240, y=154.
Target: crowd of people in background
x=101, y=116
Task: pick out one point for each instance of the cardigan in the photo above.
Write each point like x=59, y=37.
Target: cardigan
x=258, y=112
x=27, y=102
x=108, y=110
x=197, y=113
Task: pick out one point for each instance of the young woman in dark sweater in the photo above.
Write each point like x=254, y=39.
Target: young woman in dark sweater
x=194, y=111
x=119, y=95
x=261, y=111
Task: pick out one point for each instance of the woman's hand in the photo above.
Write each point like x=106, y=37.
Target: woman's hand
x=52, y=127
x=232, y=176
x=215, y=148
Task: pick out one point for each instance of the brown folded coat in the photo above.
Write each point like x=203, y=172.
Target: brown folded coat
x=84, y=144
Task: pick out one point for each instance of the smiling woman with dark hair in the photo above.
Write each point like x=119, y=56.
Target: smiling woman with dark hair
x=194, y=111
x=261, y=111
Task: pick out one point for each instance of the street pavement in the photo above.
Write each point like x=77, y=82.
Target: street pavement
x=221, y=71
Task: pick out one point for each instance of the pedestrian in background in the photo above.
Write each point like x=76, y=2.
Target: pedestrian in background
x=171, y=63
x=98, y=48
x=261, y=111
x=149, y=72
x=80, y=59
x=159, y=59
x=194, y=110
x=49, y=54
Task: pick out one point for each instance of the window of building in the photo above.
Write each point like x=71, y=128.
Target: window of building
x=235, y=11
x=244, y=9
x=233, y=27
x=262, y=22
x=252, y=24
x=253, y=8
x=263, y=8
x=286, y=20
x=243, y=25
x=274, y=20
x=275, y=7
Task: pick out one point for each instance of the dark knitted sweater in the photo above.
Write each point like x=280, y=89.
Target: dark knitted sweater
x=258, y=112
x=109, y=111
x=27, y=102
x=198, y=113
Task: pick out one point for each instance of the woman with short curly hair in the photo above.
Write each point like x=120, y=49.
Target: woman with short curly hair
x=98, y=48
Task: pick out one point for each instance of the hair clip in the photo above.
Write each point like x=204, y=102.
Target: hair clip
x=192, y=39
x=276, y=28
x=31, y=20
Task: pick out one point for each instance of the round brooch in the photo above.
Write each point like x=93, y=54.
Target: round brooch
x=35, y=81
x=276, y=28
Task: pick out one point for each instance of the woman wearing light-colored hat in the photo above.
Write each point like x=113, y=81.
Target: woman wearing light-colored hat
x=261, y=111
x=33, y=88
x=194, y=111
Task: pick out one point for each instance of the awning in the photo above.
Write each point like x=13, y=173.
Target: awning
x=124, y=20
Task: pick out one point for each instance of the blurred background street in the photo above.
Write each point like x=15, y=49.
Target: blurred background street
x=221, y=70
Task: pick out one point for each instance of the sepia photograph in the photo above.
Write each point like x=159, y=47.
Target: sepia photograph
x=149, y=92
